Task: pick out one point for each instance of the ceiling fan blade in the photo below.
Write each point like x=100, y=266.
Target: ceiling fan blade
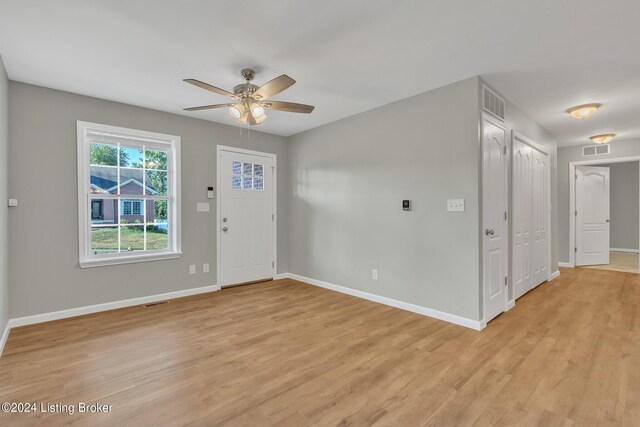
x=291, y=107
x=208, y=87
x=274, y=87
x=208, y=107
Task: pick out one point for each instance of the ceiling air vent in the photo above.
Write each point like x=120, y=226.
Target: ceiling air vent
x=596, y=150
x=492, y=103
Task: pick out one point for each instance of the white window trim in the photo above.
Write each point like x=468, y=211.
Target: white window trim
x=160, y=141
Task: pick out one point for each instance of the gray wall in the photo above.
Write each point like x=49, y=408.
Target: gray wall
x=44, y=272
x=619, y=148
x=348, y=180
x=340, y=188
x=4, y=195
x=624, y=205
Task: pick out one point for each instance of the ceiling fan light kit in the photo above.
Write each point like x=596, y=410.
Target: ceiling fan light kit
x=249, y=107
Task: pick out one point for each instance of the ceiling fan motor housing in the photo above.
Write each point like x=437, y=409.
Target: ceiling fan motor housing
x=245, y=89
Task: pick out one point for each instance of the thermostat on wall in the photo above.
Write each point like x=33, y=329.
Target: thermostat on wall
x=406, y=205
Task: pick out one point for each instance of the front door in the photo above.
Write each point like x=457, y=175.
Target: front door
x=592, y=215
x=246, y=217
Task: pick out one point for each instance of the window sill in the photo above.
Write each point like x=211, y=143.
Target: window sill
x=101, y=262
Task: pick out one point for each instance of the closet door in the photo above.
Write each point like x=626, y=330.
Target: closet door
x=540, y=218
x=522, y=217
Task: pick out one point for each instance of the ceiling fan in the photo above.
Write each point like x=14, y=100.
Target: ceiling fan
x=251, y=100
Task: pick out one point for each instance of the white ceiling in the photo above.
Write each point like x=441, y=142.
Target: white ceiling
x=347, y=56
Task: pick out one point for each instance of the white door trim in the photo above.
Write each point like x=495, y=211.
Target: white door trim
x=516, y=135
x=572, y=196
x=274, y=223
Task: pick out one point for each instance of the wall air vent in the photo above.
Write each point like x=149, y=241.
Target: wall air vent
x=492, y=103
x=596, y=150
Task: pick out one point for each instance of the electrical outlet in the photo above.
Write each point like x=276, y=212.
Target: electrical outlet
x=205, y=268
x=374, y=274
x=192, y=269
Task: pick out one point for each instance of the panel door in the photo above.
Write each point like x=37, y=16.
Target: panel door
x=494, y=205
x=592, y=215
x=540, y=217
x=246, y=218
x=522, y=217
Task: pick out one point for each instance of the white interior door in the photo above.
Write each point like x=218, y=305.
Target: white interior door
x=246, y=217
x=592, y=215
x=494, y=208
x=530, y=217
x=522, y=217
x=540, y=218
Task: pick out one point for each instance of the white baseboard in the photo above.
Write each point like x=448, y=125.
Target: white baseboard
x=429, y=312
x=5, y=335
x=79, y=311
x=281, y=276
x=554, y=275
x=565, y=264
x=633, y=251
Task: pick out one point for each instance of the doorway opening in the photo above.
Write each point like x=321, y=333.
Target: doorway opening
x=605, y=214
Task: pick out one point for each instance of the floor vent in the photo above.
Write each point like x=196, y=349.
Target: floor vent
x=152, y=304
x=492, y=103
x=596, y=150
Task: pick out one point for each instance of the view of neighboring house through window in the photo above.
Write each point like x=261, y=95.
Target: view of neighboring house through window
x=130, y=186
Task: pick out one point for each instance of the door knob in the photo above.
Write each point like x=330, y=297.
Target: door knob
x=488, y=232
x=608, y=221
x=224, y=219
x=225, y=229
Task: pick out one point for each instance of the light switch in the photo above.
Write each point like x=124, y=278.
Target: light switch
x=192, y=269
x=205, y=268
x=202, y=207
x=13, y=202
x=455, y=205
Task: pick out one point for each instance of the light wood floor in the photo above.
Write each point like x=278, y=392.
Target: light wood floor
x=619, y=261
x=289, y=354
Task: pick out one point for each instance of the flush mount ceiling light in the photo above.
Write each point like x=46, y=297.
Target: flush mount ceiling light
x=603, y=139
x=250, y=104
x=584, y=111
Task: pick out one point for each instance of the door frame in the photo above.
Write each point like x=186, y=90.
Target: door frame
x=274, y=223
x=519, y=136
x=572, y=196
x=502, y=125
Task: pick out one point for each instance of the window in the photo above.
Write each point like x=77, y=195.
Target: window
x=128, y=193
x=247, y=176
x=131, y=207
